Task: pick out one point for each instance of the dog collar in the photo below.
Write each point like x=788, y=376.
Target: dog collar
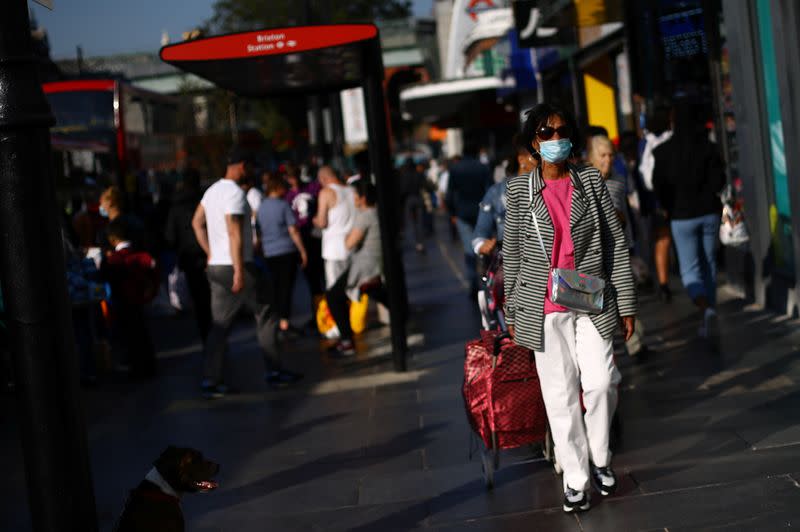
x=155, y=477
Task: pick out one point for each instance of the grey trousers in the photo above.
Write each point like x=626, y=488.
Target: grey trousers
x=225, y=306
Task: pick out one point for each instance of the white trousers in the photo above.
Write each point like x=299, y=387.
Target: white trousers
x=577, y=358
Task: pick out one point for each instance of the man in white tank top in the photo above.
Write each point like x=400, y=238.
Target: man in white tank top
x=335, y=214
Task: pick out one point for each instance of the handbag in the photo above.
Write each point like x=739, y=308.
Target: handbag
x=732, y=227
x=178, y=289
x=569, y=288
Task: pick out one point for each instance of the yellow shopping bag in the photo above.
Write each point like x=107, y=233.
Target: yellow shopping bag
x=325, y=322
x=358, y=314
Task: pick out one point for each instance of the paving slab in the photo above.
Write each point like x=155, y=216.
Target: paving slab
x=546, y=520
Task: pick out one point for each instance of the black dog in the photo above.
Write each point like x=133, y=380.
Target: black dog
x=154, y=506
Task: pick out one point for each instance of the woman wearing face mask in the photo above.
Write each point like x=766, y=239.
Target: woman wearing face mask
x=562, y=217
x=111, y=208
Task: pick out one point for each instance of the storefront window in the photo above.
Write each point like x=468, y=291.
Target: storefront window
x=780, y=206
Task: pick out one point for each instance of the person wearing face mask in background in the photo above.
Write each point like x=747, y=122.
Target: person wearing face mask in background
x=491, y=218
x=561, y=216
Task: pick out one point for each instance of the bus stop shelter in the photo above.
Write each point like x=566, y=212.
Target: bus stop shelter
x=314, y=60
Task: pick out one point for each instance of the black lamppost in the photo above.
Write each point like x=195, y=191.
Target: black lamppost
x=52, y=427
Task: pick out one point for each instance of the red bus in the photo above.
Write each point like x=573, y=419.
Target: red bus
x=110, y=131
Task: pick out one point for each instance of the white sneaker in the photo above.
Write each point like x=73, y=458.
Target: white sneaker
x=576, y=501
x=604, y=480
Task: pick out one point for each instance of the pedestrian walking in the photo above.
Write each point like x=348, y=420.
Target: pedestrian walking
x=281, y=245
x=412, y=185
x=468, y=182
x=441, y=190
x=364, y=241
x=335, y=216
x=303, y=198
x=254, y=198
x=134, y=280
x=492, y=216
x=560, y=221
x=661, y=236
x=221, y=225
x=688, y=176
x=192, y=260
x=601, y=156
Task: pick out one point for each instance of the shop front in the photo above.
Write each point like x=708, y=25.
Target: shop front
x=762, y=40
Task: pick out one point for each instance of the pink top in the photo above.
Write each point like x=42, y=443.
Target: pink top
x=557, y=197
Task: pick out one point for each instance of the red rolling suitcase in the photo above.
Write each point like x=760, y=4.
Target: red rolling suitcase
x=502, y=396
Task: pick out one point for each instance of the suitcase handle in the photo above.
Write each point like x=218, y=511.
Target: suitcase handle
x=498, y=341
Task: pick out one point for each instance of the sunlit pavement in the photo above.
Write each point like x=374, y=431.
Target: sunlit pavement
x=709, y=440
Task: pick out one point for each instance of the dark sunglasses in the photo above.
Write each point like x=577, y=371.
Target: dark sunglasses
x=547, y=132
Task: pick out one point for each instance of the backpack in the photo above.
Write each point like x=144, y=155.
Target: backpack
x=142, y=280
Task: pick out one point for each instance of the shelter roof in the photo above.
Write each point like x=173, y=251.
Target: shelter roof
x=269, y=62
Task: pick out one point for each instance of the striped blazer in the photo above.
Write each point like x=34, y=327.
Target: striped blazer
x=600, y=250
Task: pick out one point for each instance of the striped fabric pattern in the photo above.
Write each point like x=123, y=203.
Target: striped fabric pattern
x=600, y=250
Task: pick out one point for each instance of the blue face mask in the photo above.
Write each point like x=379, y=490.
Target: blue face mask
x=103, y=212
x=555, y=151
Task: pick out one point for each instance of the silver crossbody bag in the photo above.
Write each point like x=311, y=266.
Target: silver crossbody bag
x=569, y=288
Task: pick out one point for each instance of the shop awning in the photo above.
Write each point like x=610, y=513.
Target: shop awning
x=273, y=62
x=432, y=101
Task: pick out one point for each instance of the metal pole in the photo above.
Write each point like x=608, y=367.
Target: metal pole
x=50, y=416
x=380, y=163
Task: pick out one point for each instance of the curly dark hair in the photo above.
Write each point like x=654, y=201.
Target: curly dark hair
x=537, y=116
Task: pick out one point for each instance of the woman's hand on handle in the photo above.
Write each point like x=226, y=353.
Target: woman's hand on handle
x=511, y=331
x=629, y=326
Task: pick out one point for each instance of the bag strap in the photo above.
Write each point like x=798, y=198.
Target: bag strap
x=535, y=220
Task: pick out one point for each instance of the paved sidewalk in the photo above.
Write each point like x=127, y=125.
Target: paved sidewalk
x=709, y=440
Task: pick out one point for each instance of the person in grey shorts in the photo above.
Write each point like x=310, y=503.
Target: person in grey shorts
x=222, y=226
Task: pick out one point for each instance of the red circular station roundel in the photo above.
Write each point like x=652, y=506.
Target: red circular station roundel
x=268, y=42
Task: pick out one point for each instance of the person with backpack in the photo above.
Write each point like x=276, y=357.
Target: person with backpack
x=134, y=280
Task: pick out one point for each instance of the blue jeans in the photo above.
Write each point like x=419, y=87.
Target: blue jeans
x=465, y=231
x=696, y=242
